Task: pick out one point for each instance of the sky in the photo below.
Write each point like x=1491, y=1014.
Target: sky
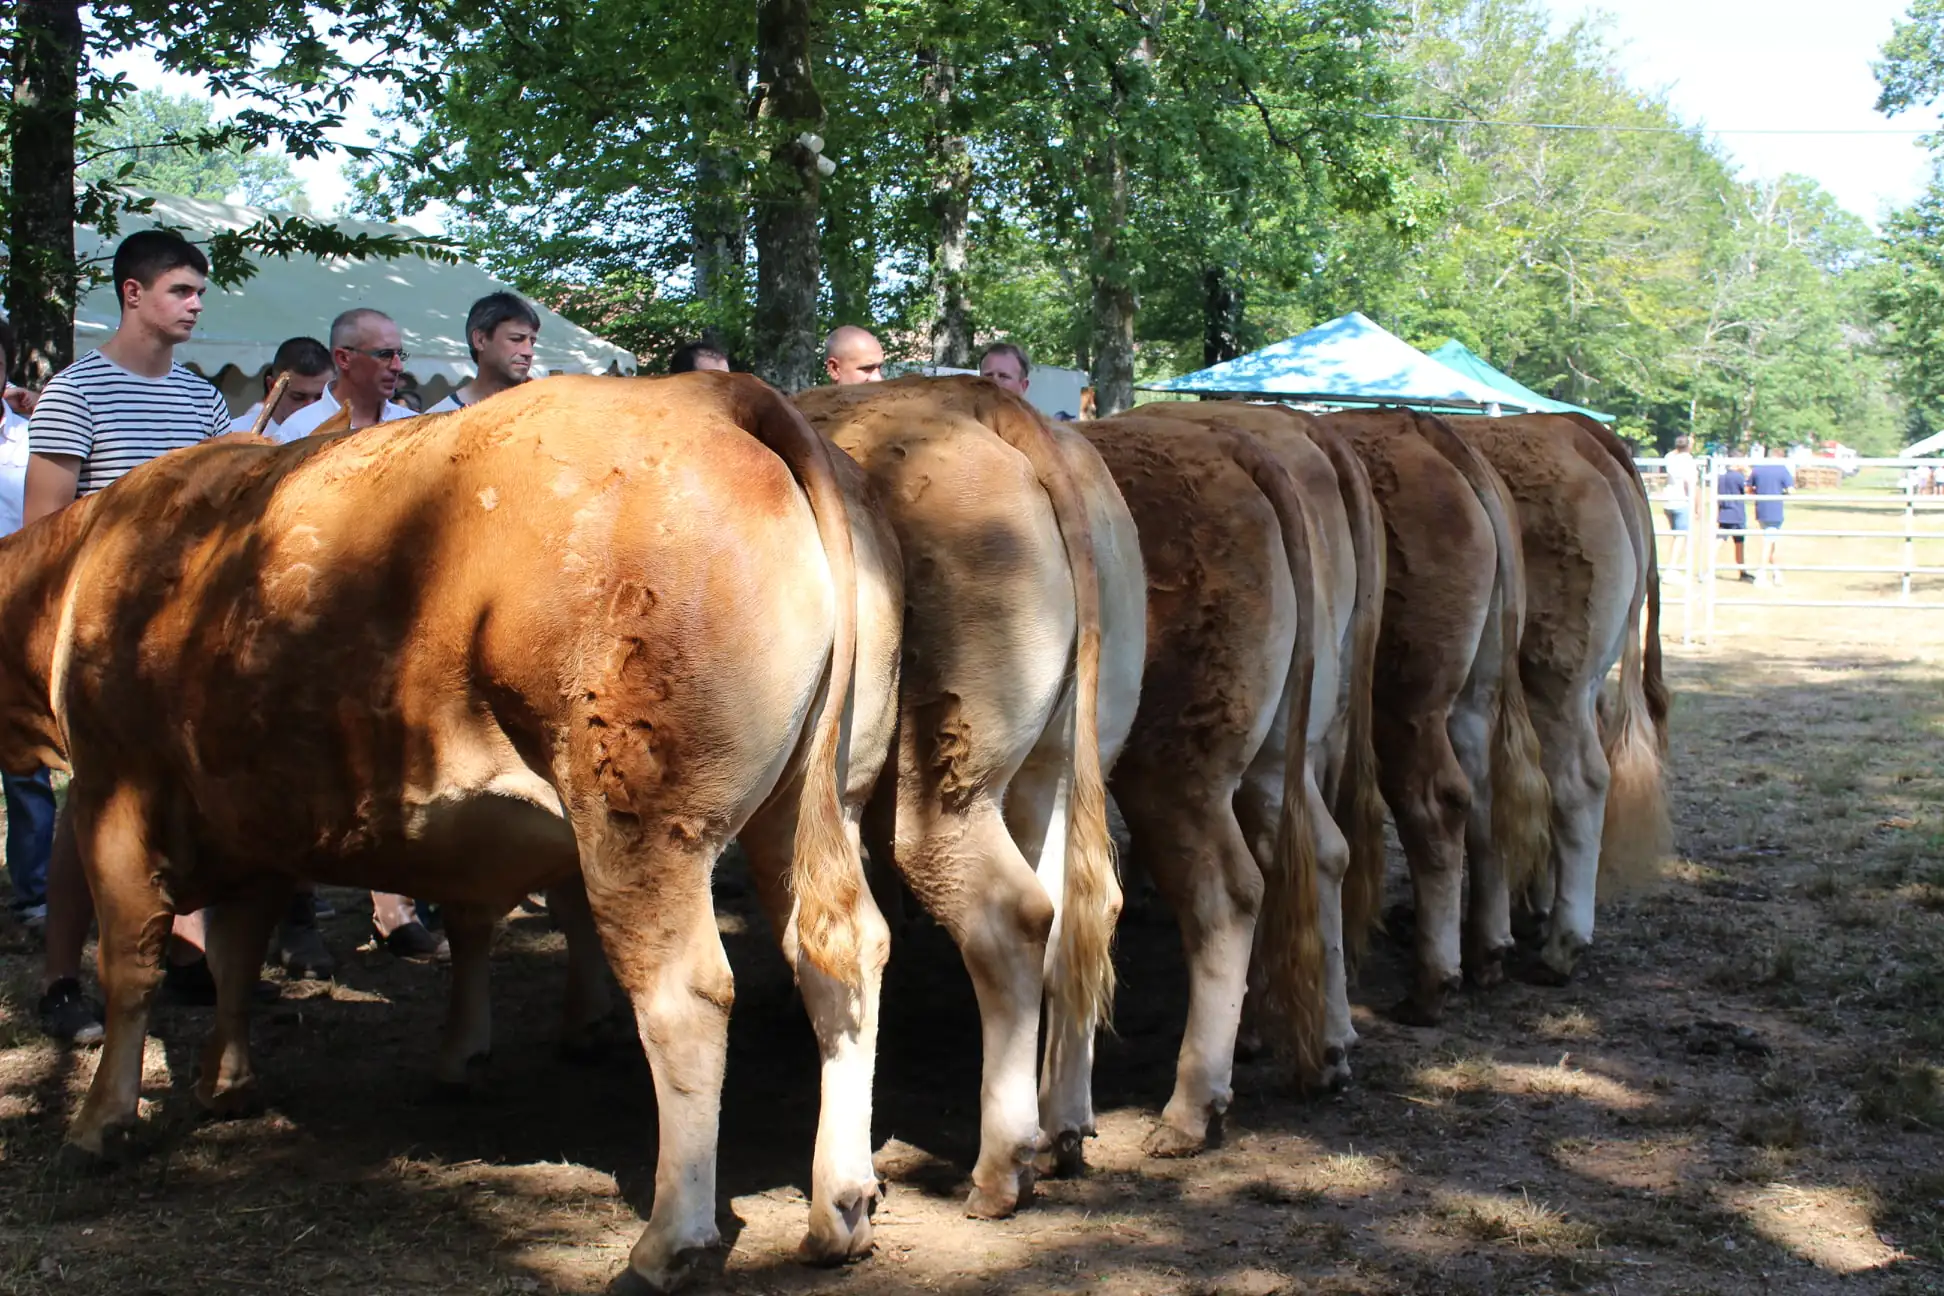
x=1728, y=65
x=1733, y=65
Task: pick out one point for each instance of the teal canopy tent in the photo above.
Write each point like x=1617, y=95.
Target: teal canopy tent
x=1457, y=356
x=1348, y=362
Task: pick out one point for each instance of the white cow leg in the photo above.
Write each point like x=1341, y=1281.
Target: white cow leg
x=1038, y=802
x=652, y=907
x=1488, y=915
x=468, y=1042
x=1579, y=777
x=844, y=1187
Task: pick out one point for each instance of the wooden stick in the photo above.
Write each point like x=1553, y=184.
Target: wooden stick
x=270, y=400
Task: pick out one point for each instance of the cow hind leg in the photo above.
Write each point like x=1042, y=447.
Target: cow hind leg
x=1186, y=835
x=237, y=932
x=1430, y=798
x=589, y=1031
x=1488, y=915
x=1578, y=771
x=467, y=1045
x=1037, y=806
x=650, y=898
x=112, y=835
x=844, y=1188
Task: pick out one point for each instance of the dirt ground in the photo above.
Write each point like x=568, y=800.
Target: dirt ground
x=1742, y=1092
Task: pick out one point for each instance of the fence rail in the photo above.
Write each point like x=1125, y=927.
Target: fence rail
x=1691, y=571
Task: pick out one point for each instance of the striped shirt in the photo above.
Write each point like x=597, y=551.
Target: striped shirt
x=114, y=420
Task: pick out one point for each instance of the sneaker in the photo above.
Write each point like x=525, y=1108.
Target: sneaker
x=1748, y=577
x=321, y=907
x=415, y=943
x=302, y=954
x=68, y=1014
x=33, y=917
x=1775, y=578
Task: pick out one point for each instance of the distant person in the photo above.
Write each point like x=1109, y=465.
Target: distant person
x=695, y=356
x=409, y=395
x=308, y=362
x=501, y=329
x=852, y=355
x=108, y=413
x=369, y=357
x=29, y=797
x=1006, y=365
x=1677, y=500
x=1731, y=513
x=1768, y=481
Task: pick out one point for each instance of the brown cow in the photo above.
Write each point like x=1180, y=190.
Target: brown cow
x=1458, y=760
x=590, y=627
x=1232, y=613
x=1588, y=551
x=1022, y=650
x=1341, y=519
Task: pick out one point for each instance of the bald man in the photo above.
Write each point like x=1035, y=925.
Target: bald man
x=852, y=355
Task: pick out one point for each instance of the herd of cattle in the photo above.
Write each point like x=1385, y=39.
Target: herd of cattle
x=581, y=635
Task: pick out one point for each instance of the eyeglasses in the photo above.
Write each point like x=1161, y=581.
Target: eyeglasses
x=384, y=355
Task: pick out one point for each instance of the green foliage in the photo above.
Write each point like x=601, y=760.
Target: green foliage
x=166, y=145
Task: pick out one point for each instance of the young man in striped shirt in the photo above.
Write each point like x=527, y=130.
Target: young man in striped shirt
x=109, y=412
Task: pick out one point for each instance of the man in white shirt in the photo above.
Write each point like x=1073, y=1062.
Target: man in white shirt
x=500, y=332
x=308, y=362
x=1677, y=500
x=369, y=356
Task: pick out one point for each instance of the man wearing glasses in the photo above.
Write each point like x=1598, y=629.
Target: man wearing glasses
x=369, y=356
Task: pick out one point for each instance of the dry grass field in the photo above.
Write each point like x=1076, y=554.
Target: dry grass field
x=1743, y=1092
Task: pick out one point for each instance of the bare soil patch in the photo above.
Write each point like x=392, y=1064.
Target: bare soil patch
x=1743, y=1091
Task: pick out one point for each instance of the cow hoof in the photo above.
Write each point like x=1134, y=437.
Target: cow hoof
x=1559, y=959
x=102, y=1150
x=1415, y=1011
x=684, y=1267
x=234, y=1101
x=1335, y=1076
x=1487, y=973
x=1000, y=1203
x=840, y=1233
x=1168, y=1143
x=1066, y=1159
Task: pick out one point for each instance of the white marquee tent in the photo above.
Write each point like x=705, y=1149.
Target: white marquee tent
x=241, y=327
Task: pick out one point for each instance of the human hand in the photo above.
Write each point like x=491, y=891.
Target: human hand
x=20, y=400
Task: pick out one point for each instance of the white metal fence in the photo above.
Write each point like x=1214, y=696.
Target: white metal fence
x=1692, y=561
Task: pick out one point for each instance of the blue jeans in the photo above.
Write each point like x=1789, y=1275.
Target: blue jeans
x=30, y=835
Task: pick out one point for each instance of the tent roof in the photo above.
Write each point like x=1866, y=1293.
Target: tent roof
x=1929, y=445
x=1456, y=355
x=299, y=296
x=1348, y=361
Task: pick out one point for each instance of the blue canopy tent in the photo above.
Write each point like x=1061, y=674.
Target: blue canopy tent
x=1348, y=362
x=1457, y=356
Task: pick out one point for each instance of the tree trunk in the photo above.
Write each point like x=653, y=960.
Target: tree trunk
x=1113, y=287
x=41, y=274
x=787, y=263
x=1221, y=316
x=951, y=209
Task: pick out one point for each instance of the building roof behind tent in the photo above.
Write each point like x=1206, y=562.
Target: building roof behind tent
x=1456, y=355
x=1348, y=361
x=299, y=296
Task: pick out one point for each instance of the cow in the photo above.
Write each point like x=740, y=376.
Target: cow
x=1346, y=540
x=1216, y=783
x=1588, y=555
x=1023, y=640
x=1458, y=760
x=592, y=630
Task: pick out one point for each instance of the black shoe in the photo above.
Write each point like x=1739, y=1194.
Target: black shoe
x=190, y=985
x=68, y=1014
x=302, y=954
x=414, y=943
